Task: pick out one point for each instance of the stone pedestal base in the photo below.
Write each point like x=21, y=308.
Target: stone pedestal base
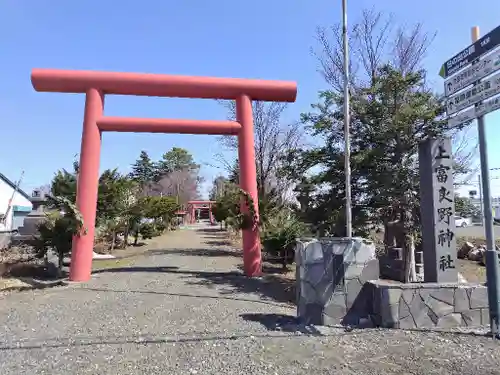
x=429, y=305
x=331, y=275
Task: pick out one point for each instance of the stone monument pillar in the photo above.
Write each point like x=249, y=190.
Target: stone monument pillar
x=437, y=205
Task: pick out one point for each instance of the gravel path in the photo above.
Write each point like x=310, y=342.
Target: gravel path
x=185, y=309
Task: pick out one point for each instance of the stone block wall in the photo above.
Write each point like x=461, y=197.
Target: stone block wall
x=331, y=276
x=429, y=305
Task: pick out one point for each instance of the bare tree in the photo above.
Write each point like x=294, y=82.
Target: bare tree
x=219, y=186
x=464, y=155
x=182, y=184
x=272, y=140
x=410, y=48
x=372, y=40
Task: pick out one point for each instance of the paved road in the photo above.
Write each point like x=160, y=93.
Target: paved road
x=185, y=309
x=476, y=231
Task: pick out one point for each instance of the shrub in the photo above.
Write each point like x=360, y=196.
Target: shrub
x=57, y=230
x=147, y=231
x=279, y=235
x=160, y=227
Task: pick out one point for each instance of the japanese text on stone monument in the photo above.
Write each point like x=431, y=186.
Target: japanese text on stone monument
x=444, y=214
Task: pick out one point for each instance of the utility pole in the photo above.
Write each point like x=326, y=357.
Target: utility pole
x=347, y=146
x=481, y=199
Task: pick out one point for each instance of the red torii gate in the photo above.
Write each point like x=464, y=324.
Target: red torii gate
x=193, y=205
x=95, y=85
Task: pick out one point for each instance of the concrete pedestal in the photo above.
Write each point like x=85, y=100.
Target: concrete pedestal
x=429, y=305
x=331, y=275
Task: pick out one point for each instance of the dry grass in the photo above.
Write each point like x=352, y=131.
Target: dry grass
x=100, y=264
x=471, y=270
x=12, y=283
x=477, y=241
x=17, y=263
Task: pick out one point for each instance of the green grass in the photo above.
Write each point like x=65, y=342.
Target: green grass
x=101, y=264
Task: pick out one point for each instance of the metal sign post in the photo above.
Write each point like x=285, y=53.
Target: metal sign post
x=461, y=96
x=492, y=271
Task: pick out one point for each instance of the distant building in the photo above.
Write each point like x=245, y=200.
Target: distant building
x=21, y=205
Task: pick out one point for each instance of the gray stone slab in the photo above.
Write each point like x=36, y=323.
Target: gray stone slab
x=423, y=319
x=406, y=323
x=404, y=309
x=353, y=271
x=432, y=315
x=439, y=308
x=371, y=271
x=337, y=299
x=479, y=297
x=409, y=294
x=353, y=289
x=452, y=320
x=390, y=296
x=308, y=292
x=324, y=291
x=446, y=295
x=335, y=311
x=331, y=291
x=418, y=309
x=425, y=293
x=461, y=300
x=364, y=251
x=485, y=317
x=471, y=318
x=389, y=316
x=314, y=273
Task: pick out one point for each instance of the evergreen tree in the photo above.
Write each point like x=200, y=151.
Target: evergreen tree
x=177, y=159
x=143, y=170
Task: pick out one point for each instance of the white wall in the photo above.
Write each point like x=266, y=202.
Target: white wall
x=19, y=200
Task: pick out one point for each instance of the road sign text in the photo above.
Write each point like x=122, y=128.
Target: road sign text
x=487, y=65
x=466, y=98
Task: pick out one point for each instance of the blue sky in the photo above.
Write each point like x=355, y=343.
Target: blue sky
x=258, y=39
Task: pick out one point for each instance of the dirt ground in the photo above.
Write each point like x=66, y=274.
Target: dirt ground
x=184, y=307
x=471, y=270
x=18, y=265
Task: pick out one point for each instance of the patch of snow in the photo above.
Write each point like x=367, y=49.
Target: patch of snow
x=102, y=256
